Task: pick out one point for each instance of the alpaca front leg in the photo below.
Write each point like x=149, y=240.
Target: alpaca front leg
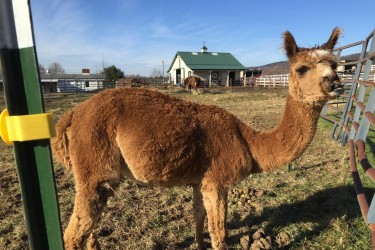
x=88, y=207
x=81, y=223
x=92, y=242
x=215, y=202
x=199, y=215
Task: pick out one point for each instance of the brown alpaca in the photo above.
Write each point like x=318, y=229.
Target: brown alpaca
x=156, y=139
x=192, y=82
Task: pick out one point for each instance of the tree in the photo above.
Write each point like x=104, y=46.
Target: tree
x=42, y=69
x=56, y=68
x=156, y=73
x=112, y=74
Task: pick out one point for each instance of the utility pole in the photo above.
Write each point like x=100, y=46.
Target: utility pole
x=163, y=70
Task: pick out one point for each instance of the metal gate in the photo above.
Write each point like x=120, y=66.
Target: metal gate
x=357, y=117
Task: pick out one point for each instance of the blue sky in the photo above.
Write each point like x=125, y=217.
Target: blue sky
x=137, y=35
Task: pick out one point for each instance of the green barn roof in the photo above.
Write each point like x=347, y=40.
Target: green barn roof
x=210, y=61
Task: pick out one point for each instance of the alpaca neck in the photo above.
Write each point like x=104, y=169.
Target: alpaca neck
x=275, y=148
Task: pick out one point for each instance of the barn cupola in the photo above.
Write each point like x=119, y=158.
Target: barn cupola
x=204, y=48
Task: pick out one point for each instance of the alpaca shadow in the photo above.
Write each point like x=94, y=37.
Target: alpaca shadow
x=318, y=209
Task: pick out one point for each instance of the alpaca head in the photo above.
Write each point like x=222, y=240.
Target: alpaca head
x=313, y=78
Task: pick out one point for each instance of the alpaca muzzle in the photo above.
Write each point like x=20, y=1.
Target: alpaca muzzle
x=334, y=86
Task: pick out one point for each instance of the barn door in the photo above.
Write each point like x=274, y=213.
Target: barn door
x=178, y=76
x=232, y=77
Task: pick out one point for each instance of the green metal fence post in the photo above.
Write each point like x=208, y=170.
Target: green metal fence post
x=23, y=97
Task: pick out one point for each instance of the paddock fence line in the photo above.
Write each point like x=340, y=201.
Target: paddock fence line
x=280, y=80
x=357, y=116
x=93, y=85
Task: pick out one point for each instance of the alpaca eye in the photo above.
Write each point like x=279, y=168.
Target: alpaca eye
x=302, y=70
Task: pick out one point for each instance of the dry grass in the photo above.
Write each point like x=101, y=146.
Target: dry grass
x=311, y=207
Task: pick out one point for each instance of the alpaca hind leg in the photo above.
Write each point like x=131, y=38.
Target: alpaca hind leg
x=215, y=202
x=89, y=204
x=199, y=215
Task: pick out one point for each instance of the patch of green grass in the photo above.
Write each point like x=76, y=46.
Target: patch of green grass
x=343, y=234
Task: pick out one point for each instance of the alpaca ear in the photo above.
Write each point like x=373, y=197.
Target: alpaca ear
x=332, y=41
x=290, y=44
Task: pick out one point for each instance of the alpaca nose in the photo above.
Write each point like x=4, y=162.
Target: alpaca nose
x=337, y=85
x=333, y=81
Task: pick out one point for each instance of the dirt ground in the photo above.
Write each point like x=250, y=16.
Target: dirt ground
x=310, y=206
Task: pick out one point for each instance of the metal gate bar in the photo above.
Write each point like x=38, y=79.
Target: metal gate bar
x=361, y=121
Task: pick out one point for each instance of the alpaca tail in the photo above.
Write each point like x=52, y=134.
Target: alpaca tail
x=60, y=143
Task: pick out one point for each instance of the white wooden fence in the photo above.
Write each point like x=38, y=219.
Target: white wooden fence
x=345, y=76
x=273, y=80
x=282, y=80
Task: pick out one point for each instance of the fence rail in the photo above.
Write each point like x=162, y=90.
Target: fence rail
x=281, y=80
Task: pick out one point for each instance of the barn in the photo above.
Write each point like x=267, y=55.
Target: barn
x=214, y=68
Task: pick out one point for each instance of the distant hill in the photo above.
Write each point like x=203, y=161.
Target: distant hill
x=282, y=67
x=275, y=68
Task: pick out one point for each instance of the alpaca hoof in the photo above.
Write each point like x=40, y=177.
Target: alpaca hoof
x=197, y=246
x=92, y=243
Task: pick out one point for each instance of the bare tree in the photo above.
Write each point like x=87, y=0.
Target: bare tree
x=134, y=76
x=56, y=68
x=156, y=73
x=42, y=69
